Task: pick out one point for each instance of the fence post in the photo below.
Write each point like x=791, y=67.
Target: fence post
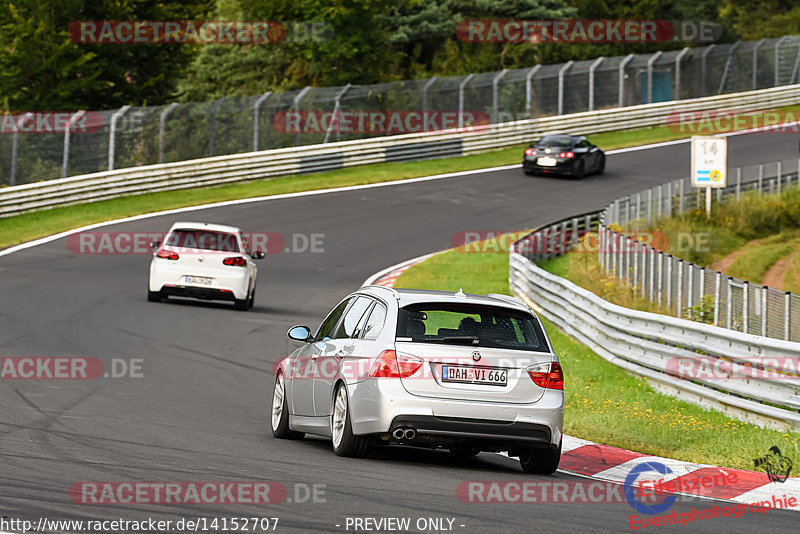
x=787, y=315
x=296, y=106
x=561, y=73
x=495, y=103
x=778, y=59
x=717, y=283
x=635, y=260
x=746, y=307
x=643, y=259
x=650, y=205
x=652, y=253
x=659, y=196
x=622, y=65
x=337, y=102
x=669, y=281
x=592, y=68
x=701, y=289
x=739, y=181
x=256, y=107
x=660, y=276
x=689, y=285
x=680, y=197
x=162, y=124
x=669, y=199
x=764, y=290
x=703, y=71
x=760, y=178
x=528, y=89
x=19, y=125
x=679, y=296
x=727, y=69
x=678, y=72
x=755, y=63
x=461, y=86
x=729, y=314
x=112, y=135
x=65, y=156
x=425, y=94
x=650, y=62
x=780, y=178
x=212, y=131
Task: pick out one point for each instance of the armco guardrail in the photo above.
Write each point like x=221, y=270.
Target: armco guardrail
x=742, y=374
x=331, y=156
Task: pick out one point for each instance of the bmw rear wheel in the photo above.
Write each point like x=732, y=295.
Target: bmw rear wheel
x=345, y=443
x=540, y=461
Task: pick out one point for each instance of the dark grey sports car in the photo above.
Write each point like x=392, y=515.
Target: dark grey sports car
x=572, y=155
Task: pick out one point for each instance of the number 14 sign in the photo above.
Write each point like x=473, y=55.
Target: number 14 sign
x=709, y=161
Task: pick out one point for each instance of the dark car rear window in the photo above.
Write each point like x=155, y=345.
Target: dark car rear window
x=203, y=240
x=470, y=325
x=555, y=140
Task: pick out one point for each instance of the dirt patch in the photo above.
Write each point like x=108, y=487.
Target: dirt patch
x=774, y=276
x=723, y=264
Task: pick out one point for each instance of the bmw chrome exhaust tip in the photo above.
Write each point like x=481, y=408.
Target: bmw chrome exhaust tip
x=410, y=434
x=399, y=433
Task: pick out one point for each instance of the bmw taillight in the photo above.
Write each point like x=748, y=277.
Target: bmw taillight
x=390, y=365
x=567, y=155
x=530, y=152
x=547, y=375
x=167, y=255
x=236, y=261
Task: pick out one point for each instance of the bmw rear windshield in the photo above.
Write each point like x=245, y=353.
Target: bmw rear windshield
x=470, y=325
x=186, y=238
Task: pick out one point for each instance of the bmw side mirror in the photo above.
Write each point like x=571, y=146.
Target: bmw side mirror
x=258, y=255
x=299, y=333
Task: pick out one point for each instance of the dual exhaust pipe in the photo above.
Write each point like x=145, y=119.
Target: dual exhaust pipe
x=404, y=433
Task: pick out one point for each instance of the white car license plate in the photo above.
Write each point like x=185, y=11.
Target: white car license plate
x=198, y=280
x=546, y=162
x=474, y=375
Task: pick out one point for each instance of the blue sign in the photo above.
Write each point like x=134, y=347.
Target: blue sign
x=630, y=489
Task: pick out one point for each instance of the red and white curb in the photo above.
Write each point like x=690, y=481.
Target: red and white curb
x=612, y=464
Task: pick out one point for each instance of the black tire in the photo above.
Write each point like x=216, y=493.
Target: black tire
x=529, y=172
x=252, y=301
x=242, y=305
x=540, y=461
x=154, y=296
x=602, y=167
x=349, y=445
x=280, y=424
x=581, y=171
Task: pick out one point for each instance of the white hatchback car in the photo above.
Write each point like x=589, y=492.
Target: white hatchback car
x=205, y=261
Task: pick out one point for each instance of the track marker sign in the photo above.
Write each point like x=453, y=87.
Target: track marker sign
x=709, y=164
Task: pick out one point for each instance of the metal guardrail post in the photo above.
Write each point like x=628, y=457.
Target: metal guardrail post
x=20, y=123
x=211, y=126
x=678, y=72
x=701, y=291
x=780, y=178
x=650, y=205
x=787, y=315
x=112, y=135
x=659, y=200
x=650, y=75
x=495, y=102
x=679, y=287
x=461, y=86
x=622, y=65
x=746, y=307
x=760, y=178
x=561, y=73
x=755, y=63
x=727, y=68
x=652, y=256
x=635, y=260
x=778, y=59
x=256, y=108
x=65, y=157
x=334, y=118
x=689, y=285
x=717, y=284
x=660, y=284
x=729, y=314
x=680, y=199
x=796, y=65
x=669, y=281
x=596, y=63
x=296, y=107
x=704, y=66
x=739, y=181
x=529, y=90
x=425, y=97
x=162, y=121
x=764, y=290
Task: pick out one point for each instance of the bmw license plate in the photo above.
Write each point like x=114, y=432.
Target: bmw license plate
x=474, y=375
x=202, y=280
x=546, y=162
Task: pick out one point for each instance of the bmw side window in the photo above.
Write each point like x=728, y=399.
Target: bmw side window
x=326, y=328
x=352, y=317
x=375, y=322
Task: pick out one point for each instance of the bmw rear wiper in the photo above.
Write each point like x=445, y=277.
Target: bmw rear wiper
x=473, y=340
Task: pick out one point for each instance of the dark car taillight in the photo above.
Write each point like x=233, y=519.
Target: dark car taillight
x=567, y=155
x=167, y=255
x=547, y=375
x=236, y=261
x=530, y=152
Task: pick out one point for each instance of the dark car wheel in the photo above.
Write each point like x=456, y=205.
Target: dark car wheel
x=580, y=171
x=602, y=166
x=154, y=296
x=540, y=461
x=280, y=414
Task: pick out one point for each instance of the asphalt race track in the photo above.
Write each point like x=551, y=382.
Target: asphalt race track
x=199, y=412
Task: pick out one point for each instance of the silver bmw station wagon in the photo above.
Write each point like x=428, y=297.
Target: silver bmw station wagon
x=435, y=369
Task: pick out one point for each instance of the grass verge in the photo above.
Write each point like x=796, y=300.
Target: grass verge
x=604, y=403
x=21, y=228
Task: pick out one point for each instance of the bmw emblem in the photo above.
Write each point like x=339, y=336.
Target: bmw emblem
x=476, y=356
